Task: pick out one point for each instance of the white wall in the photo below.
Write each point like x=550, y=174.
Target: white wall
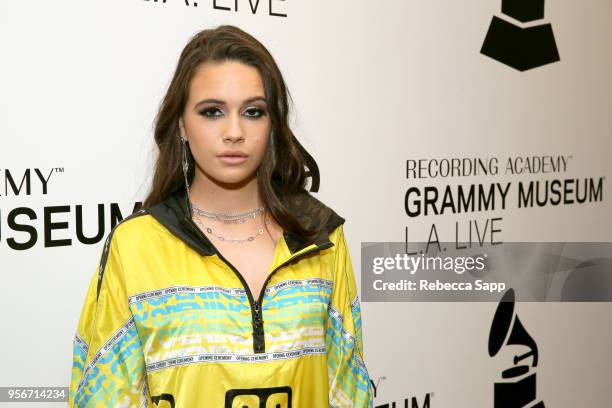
x=374, y=84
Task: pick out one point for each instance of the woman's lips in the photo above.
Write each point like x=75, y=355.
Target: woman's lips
x=232, y=159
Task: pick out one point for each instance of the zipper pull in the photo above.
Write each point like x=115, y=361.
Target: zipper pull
x=258, y=333
x=258, y=316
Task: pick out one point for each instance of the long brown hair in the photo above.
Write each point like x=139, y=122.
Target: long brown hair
x=286, y=165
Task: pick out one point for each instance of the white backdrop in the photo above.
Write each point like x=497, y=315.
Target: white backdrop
x=374, y=84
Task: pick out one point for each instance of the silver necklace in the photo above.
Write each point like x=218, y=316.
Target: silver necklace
x=237, y=218
x=234, y=240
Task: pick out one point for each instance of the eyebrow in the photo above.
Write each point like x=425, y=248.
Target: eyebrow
x=221, y=102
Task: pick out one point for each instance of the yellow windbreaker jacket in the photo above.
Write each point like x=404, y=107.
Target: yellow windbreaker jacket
x=168, y=322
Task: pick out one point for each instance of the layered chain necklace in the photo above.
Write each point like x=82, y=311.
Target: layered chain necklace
x=228, y=218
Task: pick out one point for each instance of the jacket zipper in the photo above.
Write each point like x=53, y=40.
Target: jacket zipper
x=256, y=312
x=261, y=347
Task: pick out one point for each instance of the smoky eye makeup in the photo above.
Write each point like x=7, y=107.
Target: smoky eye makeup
x=210, y=112
x=253, y=112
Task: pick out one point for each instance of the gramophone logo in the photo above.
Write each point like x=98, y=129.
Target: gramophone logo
x=518, y=386
x=518, y=46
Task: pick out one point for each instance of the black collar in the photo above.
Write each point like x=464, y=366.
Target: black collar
x=174, y=213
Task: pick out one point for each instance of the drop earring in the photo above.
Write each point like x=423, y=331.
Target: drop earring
x=185, y=166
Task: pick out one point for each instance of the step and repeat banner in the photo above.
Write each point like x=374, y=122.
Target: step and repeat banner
x=467, y=144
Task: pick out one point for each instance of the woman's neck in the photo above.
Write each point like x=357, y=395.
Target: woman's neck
x=215, y=196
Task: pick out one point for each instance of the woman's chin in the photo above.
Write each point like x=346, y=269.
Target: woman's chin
x=232, y=179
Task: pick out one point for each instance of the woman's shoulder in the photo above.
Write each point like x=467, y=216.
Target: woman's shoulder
x=135, y=226
x=134, y=221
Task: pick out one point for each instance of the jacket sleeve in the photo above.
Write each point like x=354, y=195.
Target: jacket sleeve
x=108, y=368
x=349, y=382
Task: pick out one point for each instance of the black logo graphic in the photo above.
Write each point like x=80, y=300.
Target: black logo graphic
x=163, y=397
x=409, y=402
x=506, y=330
x=519, y=47
x=262, y=395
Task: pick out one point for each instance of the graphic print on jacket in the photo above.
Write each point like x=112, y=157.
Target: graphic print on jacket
x=168, y=322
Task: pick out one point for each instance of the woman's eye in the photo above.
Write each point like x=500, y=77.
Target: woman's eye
x=255, y=113
x=215, y=112
x=210, y=112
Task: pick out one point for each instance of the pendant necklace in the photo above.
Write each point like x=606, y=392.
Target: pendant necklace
x=234, y=240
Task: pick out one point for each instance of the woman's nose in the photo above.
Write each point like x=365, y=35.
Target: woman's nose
x=234, y=132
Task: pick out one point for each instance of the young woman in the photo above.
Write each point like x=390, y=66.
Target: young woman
x=233, y=285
